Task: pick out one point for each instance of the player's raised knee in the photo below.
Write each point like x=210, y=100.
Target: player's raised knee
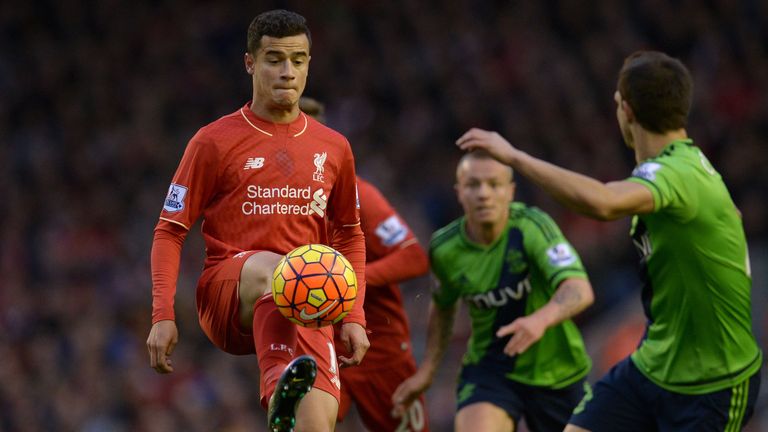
x=256, y=276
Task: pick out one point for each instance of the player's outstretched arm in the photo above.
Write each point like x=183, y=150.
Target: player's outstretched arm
x=573, y=295
x=604, y=201
x=162, y=339
x=439, y=330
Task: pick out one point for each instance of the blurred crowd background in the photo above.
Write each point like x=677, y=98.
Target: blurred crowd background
x=99, y=98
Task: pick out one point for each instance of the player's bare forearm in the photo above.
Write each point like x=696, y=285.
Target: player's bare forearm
x=604, y=201
x=572, y=296
x=439, y=331
x=583, y=194
x=403, y=263
x=576, y=191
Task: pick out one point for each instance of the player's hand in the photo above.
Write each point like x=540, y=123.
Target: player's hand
x=492, y=142
x=525, y=332
x=409, y=390
x=356, y=342
x=160, y=343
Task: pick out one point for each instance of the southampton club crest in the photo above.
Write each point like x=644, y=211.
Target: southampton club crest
x=318, y=176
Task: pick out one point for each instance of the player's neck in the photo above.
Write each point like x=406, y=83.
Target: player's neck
x=649, y=144
x=275, y=114
x=483, y=233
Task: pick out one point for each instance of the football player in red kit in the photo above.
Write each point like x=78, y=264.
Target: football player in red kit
x=393, y=255
x=266, y=179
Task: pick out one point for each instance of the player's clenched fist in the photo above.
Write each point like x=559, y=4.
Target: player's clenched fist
x=161, y=341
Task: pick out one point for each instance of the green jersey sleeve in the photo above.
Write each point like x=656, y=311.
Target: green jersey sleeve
x=444, y=294
x=648, y=174
x=551, y=252
x=446, y=290
x=671, y=192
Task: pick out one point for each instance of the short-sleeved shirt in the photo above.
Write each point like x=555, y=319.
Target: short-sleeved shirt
x=512, y=277
x=695, y=268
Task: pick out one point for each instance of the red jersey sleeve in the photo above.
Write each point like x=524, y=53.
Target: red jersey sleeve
x=394, y=252
x=347, y=236
x=190, y=189
x=165, y=258
x=194, y=182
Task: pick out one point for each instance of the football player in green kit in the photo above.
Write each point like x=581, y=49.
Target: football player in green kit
x=522, y=281
x=697, y=367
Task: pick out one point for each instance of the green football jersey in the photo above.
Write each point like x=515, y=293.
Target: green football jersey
x=695, y=269
x=510, y=278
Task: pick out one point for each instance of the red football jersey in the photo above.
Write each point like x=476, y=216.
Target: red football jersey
x=393, y=254
x=264, y=186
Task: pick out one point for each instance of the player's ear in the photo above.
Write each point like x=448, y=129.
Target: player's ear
x=249, y=62
x=628, y=111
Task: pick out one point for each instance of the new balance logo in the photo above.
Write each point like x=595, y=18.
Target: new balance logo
x=254, y=163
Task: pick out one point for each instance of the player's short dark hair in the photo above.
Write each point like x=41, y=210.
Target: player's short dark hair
x=658, y=88
x=278, y=23
x=481, y=154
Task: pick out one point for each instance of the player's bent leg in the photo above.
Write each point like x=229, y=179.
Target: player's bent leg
x=274, y=337
x=550, y=410
x=483, y=417
x=317, y=412
x=623, y=400
x=255, y=282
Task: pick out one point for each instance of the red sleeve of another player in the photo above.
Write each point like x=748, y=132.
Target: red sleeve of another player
x=190, y=190
x=347, y=234
x=388, y=237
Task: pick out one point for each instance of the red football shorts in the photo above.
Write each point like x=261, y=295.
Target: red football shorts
x=218, y=312
x=371, y=389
